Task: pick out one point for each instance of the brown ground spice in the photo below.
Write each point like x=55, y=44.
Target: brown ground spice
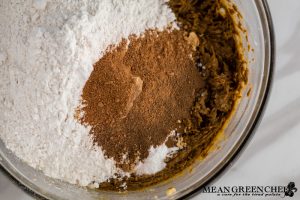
x=137, y=93
x=220, y=60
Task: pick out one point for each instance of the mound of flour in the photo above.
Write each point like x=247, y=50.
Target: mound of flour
x=47, y=51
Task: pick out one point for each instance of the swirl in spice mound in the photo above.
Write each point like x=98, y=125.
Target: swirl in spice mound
x=155, y=103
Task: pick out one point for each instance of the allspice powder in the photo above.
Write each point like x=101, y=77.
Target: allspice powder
x=138, y=92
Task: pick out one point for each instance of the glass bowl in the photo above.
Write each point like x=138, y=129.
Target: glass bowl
x=258, y=23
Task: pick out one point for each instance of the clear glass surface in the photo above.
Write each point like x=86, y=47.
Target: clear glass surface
x=258, y=24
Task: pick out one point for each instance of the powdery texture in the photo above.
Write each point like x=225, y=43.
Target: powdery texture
x=47, y=51
x=155, y=162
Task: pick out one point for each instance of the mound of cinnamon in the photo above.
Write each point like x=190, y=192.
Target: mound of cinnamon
x=138, y=91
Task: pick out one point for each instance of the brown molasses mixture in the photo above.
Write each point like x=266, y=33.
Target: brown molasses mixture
x=186, y=80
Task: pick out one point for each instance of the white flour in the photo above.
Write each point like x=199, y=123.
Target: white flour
x=155, y=162
x=47, y=49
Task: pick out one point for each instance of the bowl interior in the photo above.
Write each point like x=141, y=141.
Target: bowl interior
x=239, y=127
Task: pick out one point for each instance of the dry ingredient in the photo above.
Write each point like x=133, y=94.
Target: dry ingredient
x=137, y=93
x=56, y=55
x=47, y=52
